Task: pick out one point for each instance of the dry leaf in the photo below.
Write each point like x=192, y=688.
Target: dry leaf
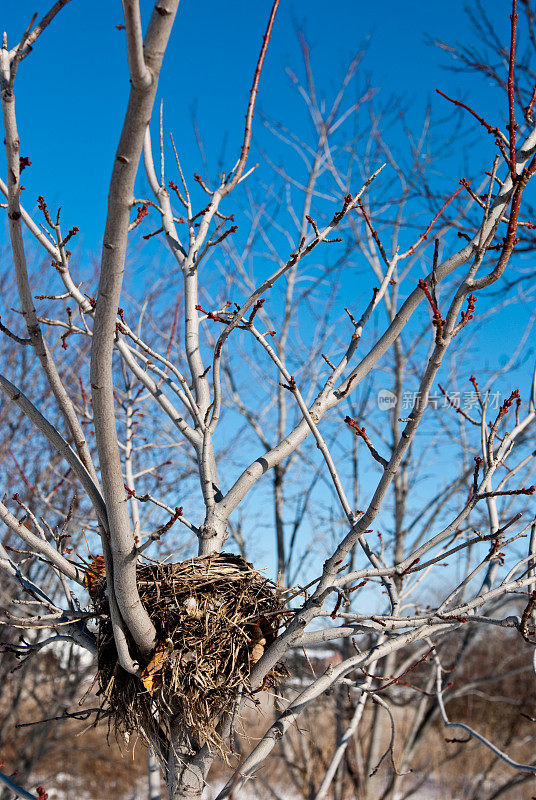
x=93, y=576
x=150, y=673
x=257, y=652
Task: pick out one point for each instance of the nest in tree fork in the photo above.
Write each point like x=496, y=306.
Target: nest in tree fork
x=214, y=616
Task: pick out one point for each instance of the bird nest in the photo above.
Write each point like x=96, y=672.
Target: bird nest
x=214, y=617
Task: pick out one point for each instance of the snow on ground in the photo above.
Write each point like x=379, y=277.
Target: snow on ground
x=430, y=790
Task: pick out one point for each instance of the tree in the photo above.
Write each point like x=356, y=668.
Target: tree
x=129, y=361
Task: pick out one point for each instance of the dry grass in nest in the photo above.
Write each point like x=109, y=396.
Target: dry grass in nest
x=214, y=616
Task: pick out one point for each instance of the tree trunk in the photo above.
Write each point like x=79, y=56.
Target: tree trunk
x=186, y=773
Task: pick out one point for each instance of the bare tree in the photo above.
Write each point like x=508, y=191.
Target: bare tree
x=496, y=587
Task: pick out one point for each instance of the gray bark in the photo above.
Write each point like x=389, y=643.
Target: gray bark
x=120, y=200
x=185, y=777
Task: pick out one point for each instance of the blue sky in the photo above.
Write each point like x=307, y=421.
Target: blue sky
x=72, y=91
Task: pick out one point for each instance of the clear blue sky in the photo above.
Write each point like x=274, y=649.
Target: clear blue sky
x=71, y=92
